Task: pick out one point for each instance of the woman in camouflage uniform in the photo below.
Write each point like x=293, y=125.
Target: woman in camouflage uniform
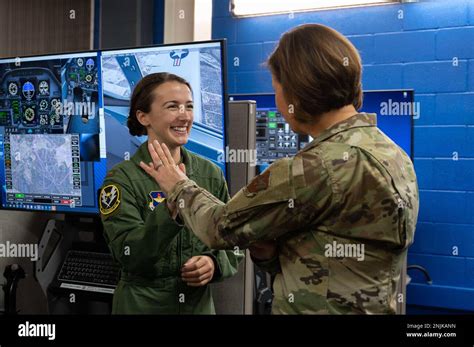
x=334, y=222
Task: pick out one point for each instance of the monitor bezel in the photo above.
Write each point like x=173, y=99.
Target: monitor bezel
x=98, y=53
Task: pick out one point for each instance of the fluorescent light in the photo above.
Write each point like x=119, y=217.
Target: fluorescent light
x=248, y=8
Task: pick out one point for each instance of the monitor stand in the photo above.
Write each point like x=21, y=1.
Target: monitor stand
x=60, y=236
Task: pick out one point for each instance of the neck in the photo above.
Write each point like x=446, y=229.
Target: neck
x=174, y=150
x=328, y=119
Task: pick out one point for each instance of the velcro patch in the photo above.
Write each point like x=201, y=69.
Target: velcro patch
x=259, y=183
x=156, y=199
x=109, y=199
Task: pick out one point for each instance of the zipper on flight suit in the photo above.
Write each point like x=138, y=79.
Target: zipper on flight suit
x=180, y=285
x=178, y=282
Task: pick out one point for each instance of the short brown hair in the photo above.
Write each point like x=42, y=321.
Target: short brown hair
x=142, y=98
x=319, y=70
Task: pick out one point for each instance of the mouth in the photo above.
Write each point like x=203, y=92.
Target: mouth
x=180, y=130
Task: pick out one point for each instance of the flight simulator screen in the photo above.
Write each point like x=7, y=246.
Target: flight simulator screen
x=63, y=119
x=200, y=64
x=275, y=139
x=50, y=141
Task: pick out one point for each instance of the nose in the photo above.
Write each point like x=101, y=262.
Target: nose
x=186, y=114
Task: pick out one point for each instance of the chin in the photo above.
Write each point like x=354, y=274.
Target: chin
x=182, y=143
x=179, y=141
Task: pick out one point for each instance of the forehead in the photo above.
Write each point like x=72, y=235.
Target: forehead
x=172, y=91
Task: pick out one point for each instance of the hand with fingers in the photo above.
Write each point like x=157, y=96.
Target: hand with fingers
x=198, y=271
x=163, y=168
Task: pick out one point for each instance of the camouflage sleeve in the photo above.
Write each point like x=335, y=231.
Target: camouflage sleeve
x=284, y=198
x=227, y=261
x=136, y=243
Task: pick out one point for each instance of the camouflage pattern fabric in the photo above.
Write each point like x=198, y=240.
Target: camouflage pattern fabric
x=343, y=211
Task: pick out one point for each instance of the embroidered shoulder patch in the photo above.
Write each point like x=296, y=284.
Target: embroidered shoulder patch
x=109, y=199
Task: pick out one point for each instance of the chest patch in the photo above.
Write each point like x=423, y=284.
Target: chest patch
x=156, y=199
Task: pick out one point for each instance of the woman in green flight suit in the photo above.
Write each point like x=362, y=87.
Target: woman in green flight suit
x=164, y=267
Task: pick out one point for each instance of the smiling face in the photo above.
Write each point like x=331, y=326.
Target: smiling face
x=171, y=115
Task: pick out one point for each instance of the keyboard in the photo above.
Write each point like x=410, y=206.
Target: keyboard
x=90, y=271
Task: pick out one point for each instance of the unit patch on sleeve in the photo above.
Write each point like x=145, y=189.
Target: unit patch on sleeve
x=109, y=199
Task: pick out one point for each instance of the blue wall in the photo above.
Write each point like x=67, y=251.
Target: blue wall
x=402, y=46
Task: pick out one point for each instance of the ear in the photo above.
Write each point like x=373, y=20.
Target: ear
x=143, y=118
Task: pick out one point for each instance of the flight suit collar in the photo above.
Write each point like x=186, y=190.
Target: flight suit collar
x=356, y=121
x=142, y=154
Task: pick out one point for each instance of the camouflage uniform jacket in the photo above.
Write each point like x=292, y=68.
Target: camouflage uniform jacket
x=343, y=212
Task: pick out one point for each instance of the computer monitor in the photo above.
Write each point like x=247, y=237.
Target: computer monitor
x=396, y=112
x=201, y=64
x=275, y=139
x=51, y=148
x=63, y=119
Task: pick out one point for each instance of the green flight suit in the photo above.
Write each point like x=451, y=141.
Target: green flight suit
x=151, y=247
